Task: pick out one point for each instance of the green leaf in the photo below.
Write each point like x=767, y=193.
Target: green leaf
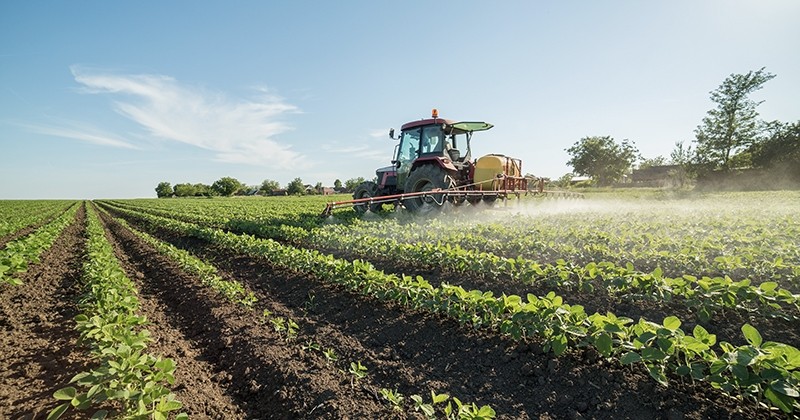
x=100, y=414
x=751, y=335
x=768, y=286
x=672, y=323
x=58, y=411
x=630, y=358
x=559, y=344
x=779, y=400
x=652, y=353
x=65, y=394
x=604, y=344
x=658, y=375
x=437, y=398
x=786, y=389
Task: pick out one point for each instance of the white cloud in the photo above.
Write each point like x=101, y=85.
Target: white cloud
x=82, y=132
x=379, y=133
x=371, y=151
x=238, y=131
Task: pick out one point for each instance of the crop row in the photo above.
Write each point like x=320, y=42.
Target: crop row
x=766, y=372
x=16, y=215
x=710, y=237
x=704, y=295
x=126, y=377
x=732, y=241
x=766, y=249
x=18, y=254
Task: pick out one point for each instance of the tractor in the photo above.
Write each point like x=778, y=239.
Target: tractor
x=433, y=165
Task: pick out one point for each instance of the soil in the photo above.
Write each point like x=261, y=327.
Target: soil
x=236, y=365
x=39, y=353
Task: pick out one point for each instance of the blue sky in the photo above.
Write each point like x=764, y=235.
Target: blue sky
x=106, y=99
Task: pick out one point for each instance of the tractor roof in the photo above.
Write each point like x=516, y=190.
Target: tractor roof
x=457, y=127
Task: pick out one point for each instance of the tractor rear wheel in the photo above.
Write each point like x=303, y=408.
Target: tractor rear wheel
x=427, y=178
x=366, y=189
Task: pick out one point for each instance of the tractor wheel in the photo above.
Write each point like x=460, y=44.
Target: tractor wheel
x=427, y=178
x=366, y=189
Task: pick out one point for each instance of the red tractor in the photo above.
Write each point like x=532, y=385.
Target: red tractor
x=432, y=165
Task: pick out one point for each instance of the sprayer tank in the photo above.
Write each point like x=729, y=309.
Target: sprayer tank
x=488, y=167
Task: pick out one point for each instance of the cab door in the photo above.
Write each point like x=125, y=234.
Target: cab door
x=407, y=152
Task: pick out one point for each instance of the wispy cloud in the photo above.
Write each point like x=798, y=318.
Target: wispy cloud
x=378, y=133
x=79, y=131
x=372, y=152
x=237, y=130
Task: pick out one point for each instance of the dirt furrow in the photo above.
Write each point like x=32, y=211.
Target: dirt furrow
x=518, y=380
x=226, y=351
x=39, y=352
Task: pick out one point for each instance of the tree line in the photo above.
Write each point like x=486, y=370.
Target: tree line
x=730, y=136
x=229, y=186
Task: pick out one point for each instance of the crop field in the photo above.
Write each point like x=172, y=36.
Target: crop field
x=620, y=305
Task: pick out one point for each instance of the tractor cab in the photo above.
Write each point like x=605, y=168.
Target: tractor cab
x=437, y=141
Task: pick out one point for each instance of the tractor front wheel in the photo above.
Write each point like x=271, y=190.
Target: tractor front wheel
x=427, y=178
x=366, y=189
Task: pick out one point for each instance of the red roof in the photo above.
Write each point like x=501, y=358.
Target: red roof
x=429, y=121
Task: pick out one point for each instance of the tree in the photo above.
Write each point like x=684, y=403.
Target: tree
x=319, y=188
x=733, y=125
x=269, y=186
x=227, y=186
x=602, y=158
x=337, y=185
x=163, y=190
x=184, y=190
x=564, y=181
x=781, y=147
x=351, y=184
x=656, y=161
x=203, y=190
x=296, y=187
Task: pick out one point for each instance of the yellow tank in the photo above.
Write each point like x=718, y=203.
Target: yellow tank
x=488, y=167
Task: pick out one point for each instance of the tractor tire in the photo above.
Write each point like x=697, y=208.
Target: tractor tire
x=366, y=189
x=427, y=178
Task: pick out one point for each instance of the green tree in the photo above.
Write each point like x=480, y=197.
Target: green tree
x=602, y=158
x=656, y=161
x=683, y=156
x=227, y=186
x=319, y=188
x=163, y=190
x=780, y=147
x=269, y=186
x=351, y=184
x=733, y=125
x=564, y=181
x=337, y=184
x=184, y=190
x=203, y=190
x=296, y=187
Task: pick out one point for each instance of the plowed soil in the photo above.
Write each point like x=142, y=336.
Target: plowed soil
x=38, y=341
x=235, y=365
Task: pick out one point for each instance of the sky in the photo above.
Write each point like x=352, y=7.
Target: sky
x=104, y=99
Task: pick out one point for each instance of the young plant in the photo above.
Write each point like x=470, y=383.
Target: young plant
x=393, y=397
x=357, y=372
